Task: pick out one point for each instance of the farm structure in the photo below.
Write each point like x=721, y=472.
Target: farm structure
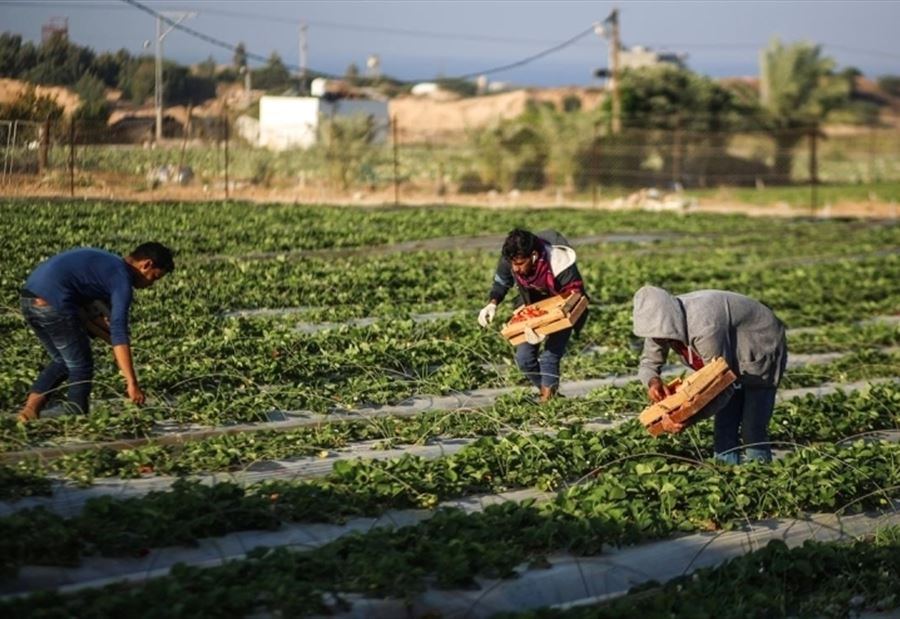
x=329, y=431
x=291, y=122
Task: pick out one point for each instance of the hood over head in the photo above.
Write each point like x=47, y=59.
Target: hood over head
x=658, y=314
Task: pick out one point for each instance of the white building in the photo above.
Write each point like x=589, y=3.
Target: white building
x=293, y=122
x=638, y=57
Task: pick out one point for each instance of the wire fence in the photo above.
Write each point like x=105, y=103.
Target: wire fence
x=214, y=158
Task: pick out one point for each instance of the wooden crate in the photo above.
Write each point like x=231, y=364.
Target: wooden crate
x=561, y=313
x=692, y=396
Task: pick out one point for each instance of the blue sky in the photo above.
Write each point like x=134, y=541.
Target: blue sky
x=418, y=40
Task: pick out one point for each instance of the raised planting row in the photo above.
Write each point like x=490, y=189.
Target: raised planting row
x=489, y=465
x=818, y=579
x=831, y=338
x=245, y=229
x=107, y=424
x=627, y=502
x=802, y=419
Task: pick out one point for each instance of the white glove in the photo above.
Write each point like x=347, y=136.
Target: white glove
x=486, y=315
x=532, y=337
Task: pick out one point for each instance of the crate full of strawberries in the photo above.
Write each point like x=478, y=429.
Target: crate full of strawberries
x=545, y=317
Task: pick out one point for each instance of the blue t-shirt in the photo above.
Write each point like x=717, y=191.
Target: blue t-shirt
x=74, y=278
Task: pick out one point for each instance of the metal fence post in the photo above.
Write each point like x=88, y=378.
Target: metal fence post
x=396, y=177
x=226, y=154
x=813, y=168
x=45, y=146
x=72, y=157
x=593, y=171
x=677, y=152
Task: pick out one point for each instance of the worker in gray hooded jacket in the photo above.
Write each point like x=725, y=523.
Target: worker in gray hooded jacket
x=715, y=323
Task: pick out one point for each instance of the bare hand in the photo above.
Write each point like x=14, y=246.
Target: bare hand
x=657, y=390
x=670, y=426
x=135, y=394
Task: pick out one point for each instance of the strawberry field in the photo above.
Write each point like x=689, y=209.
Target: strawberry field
x=328, y=431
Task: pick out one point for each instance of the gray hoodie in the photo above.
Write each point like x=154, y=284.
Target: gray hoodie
x=712, y=323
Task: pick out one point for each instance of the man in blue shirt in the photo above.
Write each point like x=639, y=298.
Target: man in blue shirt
x=53, y=297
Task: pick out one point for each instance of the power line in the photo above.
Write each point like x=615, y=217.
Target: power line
x=432, y=34
x=232, y=48
x=96, y=4
x=289, y=22
x=525, y=61
x=199, y=35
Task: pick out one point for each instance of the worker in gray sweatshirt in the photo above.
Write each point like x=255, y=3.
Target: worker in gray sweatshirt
x=715, y=323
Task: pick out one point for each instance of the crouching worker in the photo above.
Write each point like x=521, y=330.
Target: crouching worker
x=53, y=301
x=715, y=323
x=541, y=266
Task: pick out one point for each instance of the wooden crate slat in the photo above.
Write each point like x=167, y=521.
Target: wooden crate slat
x=697, y=390
x=565, y=313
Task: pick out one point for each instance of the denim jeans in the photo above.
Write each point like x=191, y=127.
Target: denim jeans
x=744, y=420
x=69, y=347
x=542, y=368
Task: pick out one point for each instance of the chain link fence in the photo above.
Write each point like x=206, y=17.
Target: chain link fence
x=215, y=158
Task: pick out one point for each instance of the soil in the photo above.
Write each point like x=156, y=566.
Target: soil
x=106, y=188
x=423, y=119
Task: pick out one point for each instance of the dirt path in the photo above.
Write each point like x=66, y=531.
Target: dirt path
x=110, y=190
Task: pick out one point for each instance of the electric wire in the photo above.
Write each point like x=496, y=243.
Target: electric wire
x=224, y=44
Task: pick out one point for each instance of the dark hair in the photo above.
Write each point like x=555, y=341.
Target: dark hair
x=519, y=244
x=158, y=253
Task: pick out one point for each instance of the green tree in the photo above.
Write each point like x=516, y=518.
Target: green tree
x=465, y=88
x=510, y=155
x=566, y=137
x=681, y=118
x=240, y=57
x=140, y=84
x=93, y=108
x=273, y=75
x=798, y=88
x=10, y=59
x=207, y=68
x=352, y=74
x=890, y=84
x=60, y=62
x=348, y=146
x=111, y=67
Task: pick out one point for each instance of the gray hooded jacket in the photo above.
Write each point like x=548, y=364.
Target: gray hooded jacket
x=714, y=323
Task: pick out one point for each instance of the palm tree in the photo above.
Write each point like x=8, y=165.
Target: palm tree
x=798, y=87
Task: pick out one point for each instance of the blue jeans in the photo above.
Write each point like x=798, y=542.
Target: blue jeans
x=746, y=416
x=69, y=347
x=542, y=368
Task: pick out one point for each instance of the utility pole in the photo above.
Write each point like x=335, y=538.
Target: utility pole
x=160, y=35
x=615, y=45
x=303, y=58
x=609, y=29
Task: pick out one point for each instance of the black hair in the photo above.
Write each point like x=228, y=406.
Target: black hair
x=519, y=244
x=158, y=253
